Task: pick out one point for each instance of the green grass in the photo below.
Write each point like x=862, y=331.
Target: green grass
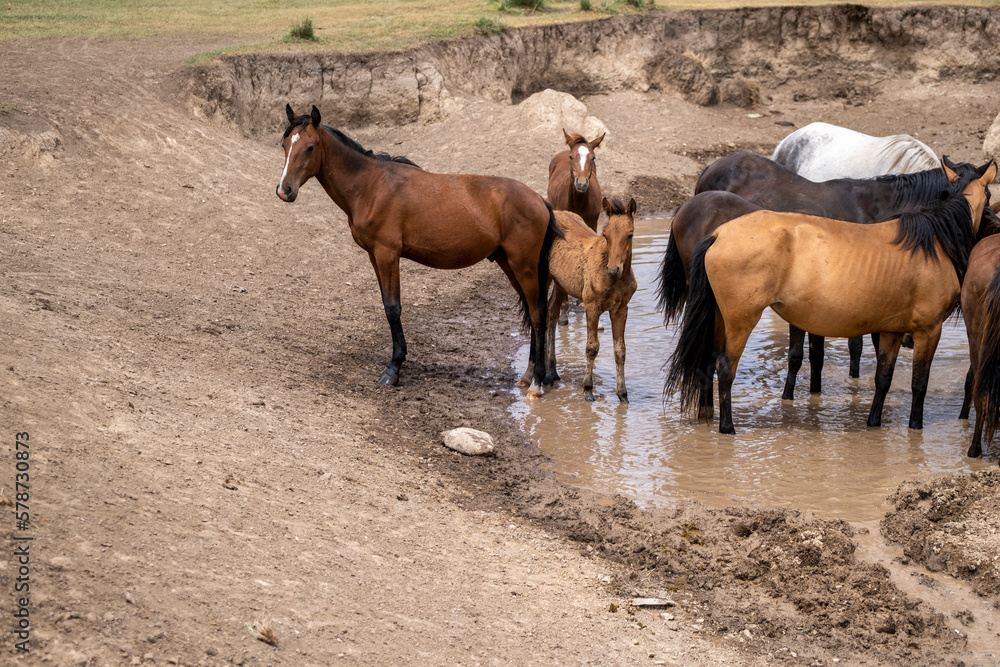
x=347, y=25
x=302, y=32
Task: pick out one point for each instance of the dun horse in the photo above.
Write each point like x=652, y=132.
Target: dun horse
x=395, y=209
x=771, y=186
x=596, y=268
x=573, y=185
x=832, y=277
x=981, y=311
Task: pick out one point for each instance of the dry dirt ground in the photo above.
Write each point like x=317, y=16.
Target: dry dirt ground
x=195, y=363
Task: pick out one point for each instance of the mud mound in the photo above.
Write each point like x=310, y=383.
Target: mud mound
x=834, y=50
x=946, y=525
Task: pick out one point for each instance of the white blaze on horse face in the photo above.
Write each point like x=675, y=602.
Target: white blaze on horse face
x=288, y=158
x=584, y=152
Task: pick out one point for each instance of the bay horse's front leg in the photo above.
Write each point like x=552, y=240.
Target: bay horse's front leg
x=888, y=350
x=796, y=344
x=386, y=265
x=618, y=318
x=924, y=347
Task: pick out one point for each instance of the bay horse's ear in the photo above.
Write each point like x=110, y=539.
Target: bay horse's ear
x=314, y=116
x=989, y=172
x=631, y=203
x=606, y=205
x=289, y=113
x=567, y=138
x=597, y=142
x=948, y=167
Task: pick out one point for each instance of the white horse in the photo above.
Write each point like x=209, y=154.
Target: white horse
x=823, y=152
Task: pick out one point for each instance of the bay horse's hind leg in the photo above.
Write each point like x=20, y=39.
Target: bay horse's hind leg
x=816, y=344
x=525, y=283
x=967, y=399
x=888, y=350
x=386, y=265
x=796, y=344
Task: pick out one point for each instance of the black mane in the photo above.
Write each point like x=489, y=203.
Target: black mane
x=949, y=222
x=351, y=143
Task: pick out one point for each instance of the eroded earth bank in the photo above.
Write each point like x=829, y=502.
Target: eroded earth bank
x=196, y=361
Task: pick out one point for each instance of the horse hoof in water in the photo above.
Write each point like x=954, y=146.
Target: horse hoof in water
x=623, y=398
x=589, y=396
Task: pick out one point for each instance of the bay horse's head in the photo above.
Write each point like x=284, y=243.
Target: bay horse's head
x=581, y=159
x=976, y=190
x=303, y=154
x=618, y=233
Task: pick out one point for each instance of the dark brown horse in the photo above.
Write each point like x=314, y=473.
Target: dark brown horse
x=981, y=311
x=573, y=186
x=396, y=209
x=832, y=277
x=597, y=269
x=768, y=185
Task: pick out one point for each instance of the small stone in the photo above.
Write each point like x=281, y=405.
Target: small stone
x=60, y=563
x=652, y=602
x=469, y=441
x=667, y=616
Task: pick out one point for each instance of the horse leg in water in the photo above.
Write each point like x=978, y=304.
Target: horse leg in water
x=556, y=301
x=385, y=261
x=736, y=335
x=524, y=280
x=796, y=342
x=706, y=401
x=888, y=349
x=854, y=346
x=593, y=347
x=816, y=345
x=924, y=346
x=618, y=317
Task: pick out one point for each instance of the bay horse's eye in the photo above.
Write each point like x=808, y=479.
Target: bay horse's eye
x=309, y=149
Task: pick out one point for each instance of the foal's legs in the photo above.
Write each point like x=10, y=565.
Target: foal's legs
x=385, y=261
x=593, y=347
x=556, y=300
x=618, y=317
x=796, y=341
x=888, y=349
x=924, y=346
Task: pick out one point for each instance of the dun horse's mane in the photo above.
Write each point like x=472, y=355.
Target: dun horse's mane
x=351, y=143
x=949, y=222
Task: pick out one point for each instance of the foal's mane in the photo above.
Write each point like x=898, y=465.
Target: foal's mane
x=948, y=221
x=351, y=143
x=617, y=206
x=576, y=139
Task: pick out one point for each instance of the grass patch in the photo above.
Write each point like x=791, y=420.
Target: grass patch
x=530, y=5
x=303, y=32
x=7, y=107
x=488, y=25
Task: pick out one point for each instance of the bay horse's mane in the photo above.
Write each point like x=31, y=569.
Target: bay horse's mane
x=948, y=222
x=917, y=189
x=305, y=119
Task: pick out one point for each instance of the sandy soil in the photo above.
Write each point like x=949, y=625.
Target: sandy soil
x=195, y=362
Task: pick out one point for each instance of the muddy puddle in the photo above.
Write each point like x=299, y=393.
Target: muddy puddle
x=814, y=453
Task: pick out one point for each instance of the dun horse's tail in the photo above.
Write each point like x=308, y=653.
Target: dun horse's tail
x=988, y=372
x=673, y=290
x=693, y=356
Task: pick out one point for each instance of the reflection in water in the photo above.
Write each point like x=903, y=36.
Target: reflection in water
x=811, y=453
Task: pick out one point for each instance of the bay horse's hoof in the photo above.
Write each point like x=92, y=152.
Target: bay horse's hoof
x=975, y=451
x=727, y=430
x=388, y=379
x=563, y=321
x=534, y=392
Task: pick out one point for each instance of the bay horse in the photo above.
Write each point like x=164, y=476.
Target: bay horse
x=771, y=186
x=396, y=209
x=833, y=277
x=823, y=152
x=573, y=185
x=981, y=312
x=597, y=269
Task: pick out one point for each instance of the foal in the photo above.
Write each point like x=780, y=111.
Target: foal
x=596, y=268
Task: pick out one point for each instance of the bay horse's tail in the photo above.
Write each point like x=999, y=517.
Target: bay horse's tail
x=551, y=232
x=693, y=357
x=672, y=292
x=987, y=374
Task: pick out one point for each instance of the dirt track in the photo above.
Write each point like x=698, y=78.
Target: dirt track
x=195, y=363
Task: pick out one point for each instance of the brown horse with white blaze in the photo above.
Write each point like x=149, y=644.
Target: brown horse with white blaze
x=832, y=277
x=396, y=209
x=597, y=269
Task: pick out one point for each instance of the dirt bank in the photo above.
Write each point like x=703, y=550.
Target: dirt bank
x=195, y=362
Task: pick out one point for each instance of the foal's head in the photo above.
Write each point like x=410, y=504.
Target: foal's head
x=618, y=232
x=302, y=152
x=581, y=159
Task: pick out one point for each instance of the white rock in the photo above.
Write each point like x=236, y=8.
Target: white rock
x=991, y=145
x=469, y=441
x=552, y=111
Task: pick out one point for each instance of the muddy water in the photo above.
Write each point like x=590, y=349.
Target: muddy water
x=813, y=453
